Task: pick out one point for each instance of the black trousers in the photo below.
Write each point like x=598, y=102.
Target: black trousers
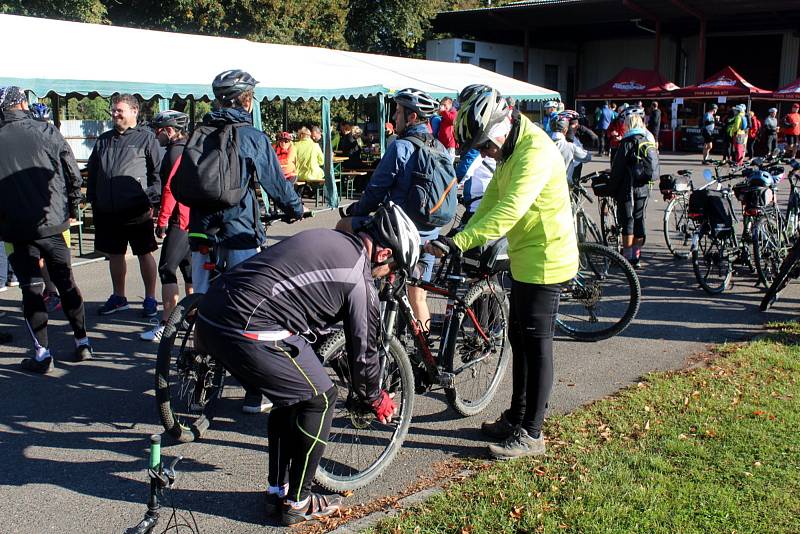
x=25, y=260
x=533, y=317
x=175, y=254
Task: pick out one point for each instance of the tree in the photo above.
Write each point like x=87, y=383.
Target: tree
x=75, y=10
x=393, y=27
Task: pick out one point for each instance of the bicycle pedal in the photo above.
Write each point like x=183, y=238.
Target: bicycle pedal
x=446, y=379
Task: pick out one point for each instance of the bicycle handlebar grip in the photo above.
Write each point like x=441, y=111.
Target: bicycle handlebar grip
x=441, y=246
x=155, y=451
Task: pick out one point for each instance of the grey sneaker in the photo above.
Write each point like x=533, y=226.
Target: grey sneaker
x=318, y=506
x=500, y=429
x=517, y=445
x=83, y=353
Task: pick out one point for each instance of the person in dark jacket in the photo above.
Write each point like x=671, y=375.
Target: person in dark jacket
x=39, y=194
x=124, y=186
x=654, y=121
x=634, y=152
x=238, y=235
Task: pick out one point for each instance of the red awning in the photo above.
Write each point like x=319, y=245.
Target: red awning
x=788, y=92
x=726, y=82
x=631, y=83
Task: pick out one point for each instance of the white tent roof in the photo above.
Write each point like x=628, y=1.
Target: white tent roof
x=107, y=59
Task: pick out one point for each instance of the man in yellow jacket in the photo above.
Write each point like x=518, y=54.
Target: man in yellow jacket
x=527, y=201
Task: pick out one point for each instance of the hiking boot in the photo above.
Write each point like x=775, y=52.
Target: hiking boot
x=316, y=507
x=273, y=504
x=149, y=307
x=35, y=366
x=154, y=334
x=83, y=353
x=499, y=429
x=517, y=445
x=113, y=305
x=255, y=403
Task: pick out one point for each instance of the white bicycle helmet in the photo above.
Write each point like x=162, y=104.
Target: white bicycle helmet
x=477, y=116
x=632, y=110
x=423, y=104
x=390, y=227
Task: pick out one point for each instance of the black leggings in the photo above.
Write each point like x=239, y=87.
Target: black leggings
x=56, y=255
x=297, y=437
x=175, y=254
x=631, y=216
x=533, y=316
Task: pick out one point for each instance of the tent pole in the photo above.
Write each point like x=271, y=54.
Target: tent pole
x=257, y=115
x=56, y=101
x=191, y=113
x=285, y=115
x=330, y=179
x=382, y=122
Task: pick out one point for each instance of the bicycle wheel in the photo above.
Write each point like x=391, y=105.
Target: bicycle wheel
x=608, y=223
x=359, y=446
x=790, y=268
x=602, y=299
x=477, y=363
x=188, y=381
x=711, y=262
x=586, y=230
x=768, y=249
x=678, y=227
x=793, y=217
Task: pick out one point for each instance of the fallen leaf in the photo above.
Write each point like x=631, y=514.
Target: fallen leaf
x=516, y=512
x=647, y=425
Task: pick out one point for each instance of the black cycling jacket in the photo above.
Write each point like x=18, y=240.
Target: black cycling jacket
x=305, y=283
x=40, y=184
x=124, y=173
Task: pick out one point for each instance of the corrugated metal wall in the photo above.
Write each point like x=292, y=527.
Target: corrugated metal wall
x=789, y=58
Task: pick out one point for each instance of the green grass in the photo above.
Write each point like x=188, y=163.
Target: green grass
x=712, y=450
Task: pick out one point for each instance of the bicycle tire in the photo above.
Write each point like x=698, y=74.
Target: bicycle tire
x=356, y=436
x=678, y=228
x=789, y=269
x=588, y=292
x=473, y=354
x=186, y=412
x=710, y=257
x=608, y=224
x=767, y=250
x=586, y=230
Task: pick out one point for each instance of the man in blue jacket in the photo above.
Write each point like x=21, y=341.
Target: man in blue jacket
x=238, y=234
x=607, y=116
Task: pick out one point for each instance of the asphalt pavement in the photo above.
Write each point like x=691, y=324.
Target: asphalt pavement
x=74, y=443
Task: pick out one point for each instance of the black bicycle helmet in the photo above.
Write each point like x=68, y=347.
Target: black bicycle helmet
x=472, y=90
x=390, y=227
x=418, y=101
x=477, y=116
x=231, y=83
x=176, y=119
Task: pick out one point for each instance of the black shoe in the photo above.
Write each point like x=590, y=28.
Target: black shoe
x=273, y=504
x=499, y=429
x=83, y=353
x=35, y=366
x=318, y=506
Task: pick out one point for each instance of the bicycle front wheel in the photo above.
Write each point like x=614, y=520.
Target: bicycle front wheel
x=768, y=249
x=602, y=299
x=359, y=446
x=711, y=262
x=188, y=381
x=481, y=353
x=678, y=228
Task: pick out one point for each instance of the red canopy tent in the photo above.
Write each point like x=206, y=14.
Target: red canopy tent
x=726, y=82
x=629, y=84
x=788, y=92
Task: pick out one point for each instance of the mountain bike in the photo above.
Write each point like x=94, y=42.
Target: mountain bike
x=585, y=228
x=789, y=270
x=470, y=362
x=677, y=225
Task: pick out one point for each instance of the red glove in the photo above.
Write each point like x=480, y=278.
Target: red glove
x=384, y=407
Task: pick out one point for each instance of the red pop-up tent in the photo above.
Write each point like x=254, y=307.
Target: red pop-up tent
x=631, y=83
x=788, y=92
x=726, y=82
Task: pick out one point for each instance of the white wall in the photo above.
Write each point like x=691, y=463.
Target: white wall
x=504, y=56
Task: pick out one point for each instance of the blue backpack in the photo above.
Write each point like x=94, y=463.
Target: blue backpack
x=432, y=199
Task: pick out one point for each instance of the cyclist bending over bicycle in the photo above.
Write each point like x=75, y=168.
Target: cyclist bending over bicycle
x=257, y=317
x=528, y=200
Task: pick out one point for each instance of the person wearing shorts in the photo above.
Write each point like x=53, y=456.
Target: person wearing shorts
x=173, y=219
x=123, y=187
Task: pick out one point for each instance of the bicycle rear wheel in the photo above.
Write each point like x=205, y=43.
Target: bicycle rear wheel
x=608, y=224
x=477, y=363
x=790, y=268
x=678, y=227
x=768, y=248
x=188, y=381
x=602, y=299
x=711, y=262
x=359, y=446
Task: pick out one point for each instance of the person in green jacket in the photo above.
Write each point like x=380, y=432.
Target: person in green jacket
x=309, y=158
x=527, y=201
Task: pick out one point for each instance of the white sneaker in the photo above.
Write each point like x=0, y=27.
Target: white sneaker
x=154, y=334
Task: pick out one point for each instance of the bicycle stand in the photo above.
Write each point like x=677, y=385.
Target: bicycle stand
x=161, y=478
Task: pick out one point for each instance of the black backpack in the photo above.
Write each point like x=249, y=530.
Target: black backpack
x=210, y=175
x=432, y=199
